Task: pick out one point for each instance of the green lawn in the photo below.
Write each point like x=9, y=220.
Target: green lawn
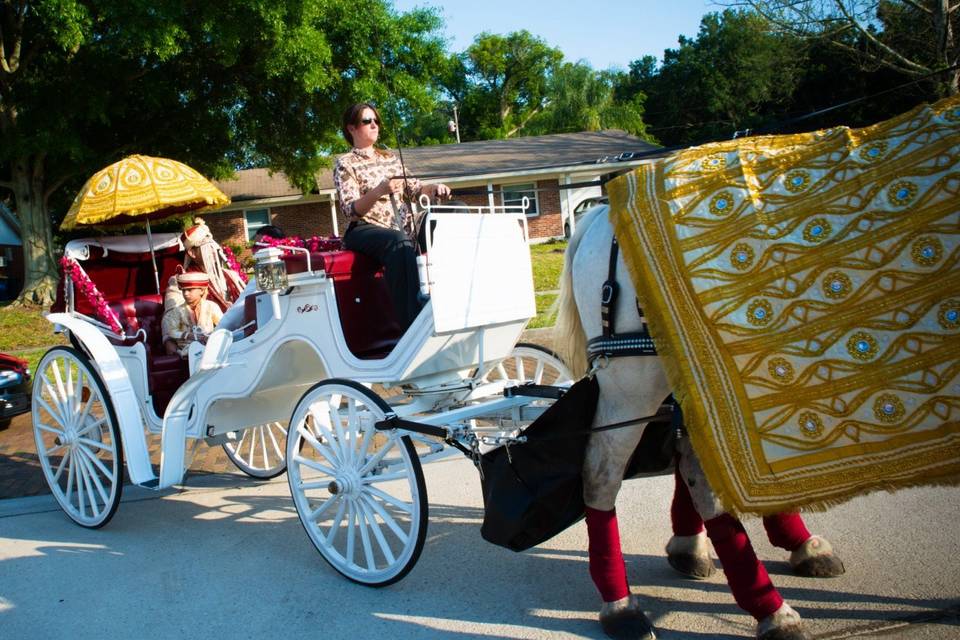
x=26, y=334
x=547, y=266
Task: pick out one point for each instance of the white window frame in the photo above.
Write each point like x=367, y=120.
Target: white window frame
x=249, y=230
x=533, y=196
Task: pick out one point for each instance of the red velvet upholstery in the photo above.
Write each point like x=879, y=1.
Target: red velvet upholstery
x=366, y=311
x=250, y=313
x=127, y=284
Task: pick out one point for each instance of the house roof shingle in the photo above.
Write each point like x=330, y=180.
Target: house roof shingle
x=465, y=160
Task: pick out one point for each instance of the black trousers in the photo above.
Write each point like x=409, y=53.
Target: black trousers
x=398, y=255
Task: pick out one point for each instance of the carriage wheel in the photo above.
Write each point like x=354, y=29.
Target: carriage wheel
x=259, y=451
x=77, y=436
x=531, y=363
x=360, y=493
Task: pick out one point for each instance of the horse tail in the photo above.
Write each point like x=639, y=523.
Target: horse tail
x=571, y=339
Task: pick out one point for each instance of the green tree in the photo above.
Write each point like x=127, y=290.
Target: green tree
x=507, y=83
x=914, y=37
x=735, y=75
x=581, y=99
x=220, y=85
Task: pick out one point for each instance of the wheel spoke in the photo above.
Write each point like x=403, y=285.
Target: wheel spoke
x=95, y=443
x=86, y=408
x=538, y=374
x=60, y=467
x=406, y=507
x=50, y=410
x=93, y=425
x=337, y=519
x=520, y=371
x=321, y=448
x=316, y=513
x=53, y=430
x=365, y=538
x=85, y=459
x=352, y=429
x=327, y=435
x=63, y=394
x=384, y=477
x=351, y=533
x=70, y=476
x=378, y=534
x=273, y=441
x=263, y=445
x=54, y=448
x=239, y=444
x=387, y=518
x=377, y=457
x=107, y=473
x=337, y=423
x=315, y=465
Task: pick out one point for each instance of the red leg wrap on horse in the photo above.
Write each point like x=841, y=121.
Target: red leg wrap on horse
x=786, y=530
x=748, y=579
x=606, y=559
x=683, y=515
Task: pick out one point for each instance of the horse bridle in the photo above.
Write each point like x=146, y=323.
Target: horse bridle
x=612, y=344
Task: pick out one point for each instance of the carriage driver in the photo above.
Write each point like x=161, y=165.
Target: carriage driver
x=382, y=226
x=194, y=319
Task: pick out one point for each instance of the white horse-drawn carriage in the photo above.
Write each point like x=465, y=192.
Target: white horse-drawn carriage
x=318, y=381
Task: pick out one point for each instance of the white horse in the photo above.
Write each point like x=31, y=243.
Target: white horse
x=636, y=386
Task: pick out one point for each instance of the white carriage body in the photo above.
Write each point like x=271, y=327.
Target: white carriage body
x=481, y=297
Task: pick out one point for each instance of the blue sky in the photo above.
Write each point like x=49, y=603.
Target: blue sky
x=603, y=32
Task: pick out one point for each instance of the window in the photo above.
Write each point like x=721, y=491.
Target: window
x=513, y=195
x=255, y=219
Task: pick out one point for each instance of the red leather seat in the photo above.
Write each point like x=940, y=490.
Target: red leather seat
x=367, y=316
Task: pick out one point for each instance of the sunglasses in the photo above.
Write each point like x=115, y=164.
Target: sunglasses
x=366, y=121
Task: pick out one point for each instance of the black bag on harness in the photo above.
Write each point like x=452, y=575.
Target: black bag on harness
x=532, y=491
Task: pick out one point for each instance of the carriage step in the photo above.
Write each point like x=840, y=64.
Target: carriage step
x=531, y=390
x=393, y=422
x=151, y=484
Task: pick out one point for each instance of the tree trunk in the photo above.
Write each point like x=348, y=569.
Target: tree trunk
x=39, y=264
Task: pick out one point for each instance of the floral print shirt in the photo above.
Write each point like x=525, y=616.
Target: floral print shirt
x=355, y=174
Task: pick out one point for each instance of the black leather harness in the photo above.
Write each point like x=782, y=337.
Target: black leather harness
x=612, y=344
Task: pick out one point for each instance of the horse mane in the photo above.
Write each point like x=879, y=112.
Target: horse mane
x=571, y=339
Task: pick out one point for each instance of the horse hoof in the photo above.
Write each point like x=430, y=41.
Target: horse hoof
x=820, y=567
x=815, y=559
x=693, y=566
x=623, y=620
x=792, y=632
x=782, y=624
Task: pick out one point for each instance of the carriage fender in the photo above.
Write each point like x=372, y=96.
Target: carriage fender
x=122, y=396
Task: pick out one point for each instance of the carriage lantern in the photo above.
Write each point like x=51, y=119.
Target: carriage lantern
x=271, y=273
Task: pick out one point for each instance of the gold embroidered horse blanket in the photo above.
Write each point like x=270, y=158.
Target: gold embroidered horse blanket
x=804, y=293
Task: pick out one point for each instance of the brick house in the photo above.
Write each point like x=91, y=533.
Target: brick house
x=479, y=173
x=11, y=255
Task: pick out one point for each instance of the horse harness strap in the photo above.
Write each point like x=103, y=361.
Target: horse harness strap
x=612, y=344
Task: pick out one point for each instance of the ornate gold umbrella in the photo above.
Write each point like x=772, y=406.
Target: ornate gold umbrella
x=139, y=189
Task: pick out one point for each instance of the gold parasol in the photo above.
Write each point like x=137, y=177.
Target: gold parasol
x=142, y=188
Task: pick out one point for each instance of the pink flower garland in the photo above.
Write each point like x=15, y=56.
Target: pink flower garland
x=233, y=263
x=314, y=244
x=86, y=286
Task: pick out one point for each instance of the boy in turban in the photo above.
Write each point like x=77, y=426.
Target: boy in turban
x=192, y=320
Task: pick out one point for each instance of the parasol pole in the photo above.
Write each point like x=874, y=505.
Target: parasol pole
x=153, y=258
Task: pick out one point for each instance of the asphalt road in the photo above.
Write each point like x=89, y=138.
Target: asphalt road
x=229, y=559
